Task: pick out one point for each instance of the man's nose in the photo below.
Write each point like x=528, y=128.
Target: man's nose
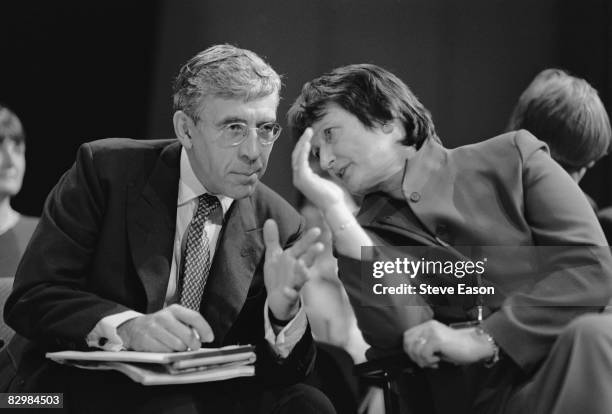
x=251, y=147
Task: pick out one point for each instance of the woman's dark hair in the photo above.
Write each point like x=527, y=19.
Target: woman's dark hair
x=374, y=95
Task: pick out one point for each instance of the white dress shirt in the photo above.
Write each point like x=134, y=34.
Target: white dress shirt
x=104, y=335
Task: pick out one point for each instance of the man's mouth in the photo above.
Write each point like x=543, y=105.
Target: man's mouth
x=248, y=173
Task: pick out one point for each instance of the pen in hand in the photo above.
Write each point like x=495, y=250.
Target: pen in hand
x=195, y=333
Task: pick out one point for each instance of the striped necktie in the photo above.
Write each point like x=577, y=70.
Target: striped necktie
x=196, y=261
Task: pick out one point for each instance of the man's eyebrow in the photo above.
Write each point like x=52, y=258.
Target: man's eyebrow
x=231, y=120
x=266, y=121
x=235, y=119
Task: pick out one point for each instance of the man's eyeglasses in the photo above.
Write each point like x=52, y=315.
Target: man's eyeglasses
x=236, y=133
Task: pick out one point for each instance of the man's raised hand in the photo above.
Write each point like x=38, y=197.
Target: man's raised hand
x=286, y=271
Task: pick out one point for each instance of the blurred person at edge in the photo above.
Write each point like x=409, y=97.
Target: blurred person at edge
x=544, y=348
x=15, y=228
x=566, y=112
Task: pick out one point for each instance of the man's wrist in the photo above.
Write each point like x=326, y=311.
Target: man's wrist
x=279, y=322
x=282, y=319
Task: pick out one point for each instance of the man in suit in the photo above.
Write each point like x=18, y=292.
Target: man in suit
x=160, y=245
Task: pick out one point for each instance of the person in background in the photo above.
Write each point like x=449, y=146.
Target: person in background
x=15, y=228
x=162, y=245
x=538, y=343
x=566, y=113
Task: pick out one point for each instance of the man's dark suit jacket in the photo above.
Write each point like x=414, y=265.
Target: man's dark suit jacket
x=104, y=245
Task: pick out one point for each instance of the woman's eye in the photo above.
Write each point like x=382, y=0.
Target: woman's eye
x=327, y=134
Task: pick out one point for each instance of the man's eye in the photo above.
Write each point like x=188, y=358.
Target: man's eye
x=235, y=127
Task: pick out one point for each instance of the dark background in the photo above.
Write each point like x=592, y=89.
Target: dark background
x=77, y=71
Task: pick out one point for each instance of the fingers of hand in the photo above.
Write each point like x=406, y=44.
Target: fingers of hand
x=299, y=157
x=305, y=151
x=305, y=242
x=423, y=351
x=270, y=236
x=292, y=295
x=427, y=355
x=311, y=253
x=149, y=333
x=174, y=328
x=422, y=346
x=194, y=320
x=300, y=275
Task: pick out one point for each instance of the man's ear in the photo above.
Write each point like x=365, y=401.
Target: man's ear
x=182, y=125
x=387, y=128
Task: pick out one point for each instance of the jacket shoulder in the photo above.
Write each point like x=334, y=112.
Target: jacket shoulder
x=521, y=141
x=265, y=199
x=269, y=204
x=126, y=146
x=117, y=157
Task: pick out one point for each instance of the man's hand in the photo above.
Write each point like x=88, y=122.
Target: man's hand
x=286, y=271
x=430, y=342
x=171, y=329
x=321, y=192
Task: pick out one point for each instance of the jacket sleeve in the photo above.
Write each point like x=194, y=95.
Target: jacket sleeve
x=273, y=369
x=573, y=254
x=382, y=319
x=50, y=303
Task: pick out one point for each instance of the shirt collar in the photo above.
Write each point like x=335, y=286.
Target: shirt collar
x=12, y=217
x=190, y=187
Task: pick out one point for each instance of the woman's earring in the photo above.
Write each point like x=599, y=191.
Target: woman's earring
x=387, y=128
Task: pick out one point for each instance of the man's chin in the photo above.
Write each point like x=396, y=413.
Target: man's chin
x=243, y=191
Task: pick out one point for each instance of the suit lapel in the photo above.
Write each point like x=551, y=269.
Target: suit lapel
x=239, y=252
x=151, y=225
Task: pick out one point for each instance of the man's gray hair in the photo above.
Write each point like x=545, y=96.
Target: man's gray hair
x=223, y=71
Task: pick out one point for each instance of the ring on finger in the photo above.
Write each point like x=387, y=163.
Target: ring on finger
x=421, y=341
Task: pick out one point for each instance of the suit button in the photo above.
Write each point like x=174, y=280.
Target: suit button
x=415, y=197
